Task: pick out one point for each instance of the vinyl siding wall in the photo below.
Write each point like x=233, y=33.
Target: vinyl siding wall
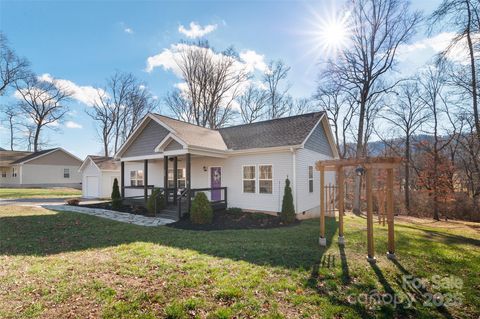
x=45, y=175
x=9, y=180
x=147, y=140
x=105, y=180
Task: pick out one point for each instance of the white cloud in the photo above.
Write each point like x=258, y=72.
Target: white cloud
x=435, y=45
x=128, y=30
x=196, y=30
x=253, y=60
x=85, y=94
x=71, y=124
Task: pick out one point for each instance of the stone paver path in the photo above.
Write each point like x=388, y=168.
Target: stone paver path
x=110, y=214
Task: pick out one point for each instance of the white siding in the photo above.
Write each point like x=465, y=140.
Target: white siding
x=308, y=204
x=9, y=180
x=105, y=180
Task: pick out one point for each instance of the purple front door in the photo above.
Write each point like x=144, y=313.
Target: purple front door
x=216, y=181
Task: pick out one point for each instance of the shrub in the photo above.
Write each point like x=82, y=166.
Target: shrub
x=201, y=211
x=234, y=210
x=155, y=198
x=116, y=198
x=287, y=215
x=73, y=202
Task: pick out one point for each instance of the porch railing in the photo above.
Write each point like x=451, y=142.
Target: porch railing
x=217, y=204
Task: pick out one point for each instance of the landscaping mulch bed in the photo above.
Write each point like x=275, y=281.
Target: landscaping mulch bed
x=137, y=210
x=234, y=220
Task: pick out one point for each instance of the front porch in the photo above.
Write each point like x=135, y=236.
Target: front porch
x=172, y=175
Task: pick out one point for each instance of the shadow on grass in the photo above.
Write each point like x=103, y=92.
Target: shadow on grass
x=445, y=238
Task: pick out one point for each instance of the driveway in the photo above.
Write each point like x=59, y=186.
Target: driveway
x=43, y=201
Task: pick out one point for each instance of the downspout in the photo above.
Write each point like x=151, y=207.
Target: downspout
x=294, y=177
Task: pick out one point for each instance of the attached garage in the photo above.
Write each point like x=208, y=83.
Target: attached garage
x=98, y=175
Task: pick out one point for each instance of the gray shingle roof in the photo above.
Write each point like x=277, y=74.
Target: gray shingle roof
x=32, y=156
x=105, y=163
x=279, y=132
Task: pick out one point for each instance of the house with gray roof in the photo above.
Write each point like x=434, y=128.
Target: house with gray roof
x=98, y=174
x=53, y=167
x=241, y=166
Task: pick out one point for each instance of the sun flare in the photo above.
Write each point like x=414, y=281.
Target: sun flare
x=333, y=34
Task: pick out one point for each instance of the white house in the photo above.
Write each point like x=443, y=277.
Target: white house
x=47, y=168
x=98, y=174
x=241, y=166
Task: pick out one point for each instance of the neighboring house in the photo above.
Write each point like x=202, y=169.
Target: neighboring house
x=246, y=164
x=98, y=174
x=47, y=168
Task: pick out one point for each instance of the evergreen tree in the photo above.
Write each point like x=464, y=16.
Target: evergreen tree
x=116, y=198
x=287, y=215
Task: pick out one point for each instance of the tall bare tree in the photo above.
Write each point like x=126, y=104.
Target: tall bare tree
x=407, y=113
x=212, y=83
x=253, y=104
x=465, y=16
x=279, y=101
x=104, y=112
x=44, y=102
x=12, y=67
x=378, y=27
x=10, y=114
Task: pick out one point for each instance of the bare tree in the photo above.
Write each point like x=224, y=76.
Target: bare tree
x=252, y=104
x=12, y=67
x=104, y=112
x=279, y=101
x=379, y=27
x=340, y=109
x=301, y=106
x=213, y=82
x=465, y=16
x=10, y=114
x=43, y=102
x=407, y=113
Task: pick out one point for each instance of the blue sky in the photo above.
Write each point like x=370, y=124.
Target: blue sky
x=87, y=41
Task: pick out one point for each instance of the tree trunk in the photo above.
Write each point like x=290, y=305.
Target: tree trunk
x=359, y=154
x=35, y=139
x=473, y=71
x=407, y=174
x=11, y=132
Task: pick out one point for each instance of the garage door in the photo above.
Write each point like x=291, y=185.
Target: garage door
x=92, y=186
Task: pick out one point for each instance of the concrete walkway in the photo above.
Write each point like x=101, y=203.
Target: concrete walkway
x=113, y=215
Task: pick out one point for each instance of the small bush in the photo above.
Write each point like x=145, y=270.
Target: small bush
x=287, y=215
x=73, y=202
x=234, y=210
x=201, y=211
x=116, y=198
x=158, y=198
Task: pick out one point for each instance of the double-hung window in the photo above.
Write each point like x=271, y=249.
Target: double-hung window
x=265, y=179
x=14, y=172
x=310, y=179
x=136, y=178
x=66, y=173
x=249, y=179
x=4, y=173
x=180, y=178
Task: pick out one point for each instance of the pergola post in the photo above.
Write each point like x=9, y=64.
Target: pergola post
x=390, y=217
x=341, y=203
x=122, y=178
x=371, y=250
x=188, y=178
x=322, y=240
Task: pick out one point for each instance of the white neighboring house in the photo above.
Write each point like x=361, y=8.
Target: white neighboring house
x=246, y=164
x=46, y=168
x=98, y=174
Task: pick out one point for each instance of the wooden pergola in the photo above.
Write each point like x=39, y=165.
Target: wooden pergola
x=364, y=166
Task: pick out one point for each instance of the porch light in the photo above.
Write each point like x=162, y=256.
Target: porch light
x=360, y=170
x=205, y=169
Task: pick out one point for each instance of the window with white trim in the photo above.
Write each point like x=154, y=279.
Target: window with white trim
x=66, y=173
x=265, y=179
x=249, y=179
x=310, y=179
x=14, y=172
x=180, y=178
x=136, y=178
x=4, y=173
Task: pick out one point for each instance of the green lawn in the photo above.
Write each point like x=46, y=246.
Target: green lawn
x=38, y=192
x=59, y=265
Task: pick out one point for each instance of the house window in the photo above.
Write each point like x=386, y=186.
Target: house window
x=265, y=179
x=14, y=172
x=4, y=173
x=136, y=178
x=310, y=179
x=180, y=178
x=249, y=179
x=66, y=173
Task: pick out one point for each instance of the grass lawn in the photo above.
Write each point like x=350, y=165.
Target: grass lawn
x=62, y=265
x=38, y=192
